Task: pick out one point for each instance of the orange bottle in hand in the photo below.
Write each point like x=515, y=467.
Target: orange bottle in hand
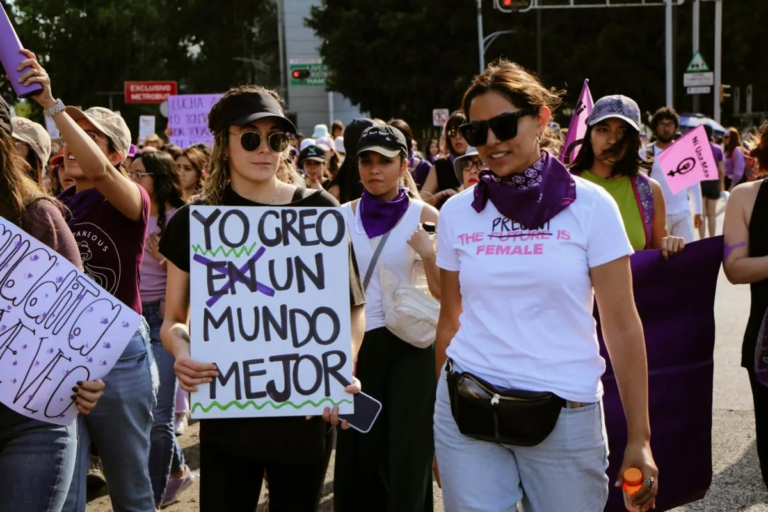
x=633, y=482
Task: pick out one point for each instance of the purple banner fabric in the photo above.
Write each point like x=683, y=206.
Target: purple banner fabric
x=578, y=127
x=676, y=300
x=11, y=58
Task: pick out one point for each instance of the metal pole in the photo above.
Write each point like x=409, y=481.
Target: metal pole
x=480, y=38
x=331, y=113
x=696, y=43
x=281, y=48
x=669, y=55
x=718, y=56
x=538, y=44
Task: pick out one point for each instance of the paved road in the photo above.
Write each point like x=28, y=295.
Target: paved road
x=737, y=485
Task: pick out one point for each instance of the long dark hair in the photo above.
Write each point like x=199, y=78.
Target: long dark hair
x=630, y=162
x=457, y=119
x=734, y=141
x=35, y=171
x=167, y=183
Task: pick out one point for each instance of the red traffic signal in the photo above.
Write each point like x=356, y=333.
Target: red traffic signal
x=300, y=74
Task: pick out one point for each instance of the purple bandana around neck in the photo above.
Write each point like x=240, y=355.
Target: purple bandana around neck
x=80, y=204
x=531, y=198
x=379, y=216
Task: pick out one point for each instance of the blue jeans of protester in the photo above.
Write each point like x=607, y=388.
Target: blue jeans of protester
x=165, y=455
x=565, y=472
x=119, y=427
x=36, y=463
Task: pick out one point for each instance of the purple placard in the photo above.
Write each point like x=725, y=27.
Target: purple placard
x=675, y=300
x=188, y=118
x=11, y=57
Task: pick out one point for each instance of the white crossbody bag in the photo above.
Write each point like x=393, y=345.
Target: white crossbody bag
x=410, y=314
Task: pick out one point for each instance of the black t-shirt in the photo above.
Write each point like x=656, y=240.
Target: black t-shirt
x=291, y=440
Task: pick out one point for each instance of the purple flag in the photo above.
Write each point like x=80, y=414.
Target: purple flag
x=578, y=126
x=676, y=300
x=11, y=58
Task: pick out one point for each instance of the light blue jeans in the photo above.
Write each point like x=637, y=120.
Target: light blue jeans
x=119, y=427
x=565, y=472
x=36, y=463
x=165, y=455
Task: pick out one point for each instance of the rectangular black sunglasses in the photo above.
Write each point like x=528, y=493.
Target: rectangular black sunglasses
x=504, y=126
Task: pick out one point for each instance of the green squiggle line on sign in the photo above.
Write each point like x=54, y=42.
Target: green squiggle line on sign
x=226, y=252
x=253, y=404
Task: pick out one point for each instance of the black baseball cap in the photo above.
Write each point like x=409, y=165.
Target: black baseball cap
x=5, y=117
x=385, y=140
x=312, y=152
x=246, y=108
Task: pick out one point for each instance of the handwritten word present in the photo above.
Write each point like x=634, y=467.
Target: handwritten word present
x=188, y=118
x=688, y=161
x=57, y=327
x=270, y=307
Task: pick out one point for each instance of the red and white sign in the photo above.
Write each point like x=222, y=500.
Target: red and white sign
x=149, y=92
x=440, y=116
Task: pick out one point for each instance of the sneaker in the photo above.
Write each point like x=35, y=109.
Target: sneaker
x=178, y=485
x=95, y=479
x=180, y=423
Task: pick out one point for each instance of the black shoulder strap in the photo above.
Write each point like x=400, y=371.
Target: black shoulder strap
x=298, y=194
x=375, y=259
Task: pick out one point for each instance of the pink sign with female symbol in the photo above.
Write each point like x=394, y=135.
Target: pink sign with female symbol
x=689, y=160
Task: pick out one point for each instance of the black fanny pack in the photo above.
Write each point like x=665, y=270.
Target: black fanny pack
x=505, y=416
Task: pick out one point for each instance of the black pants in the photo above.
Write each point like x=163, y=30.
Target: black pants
x=233, y=482
x=389, y=469
x=760, y=399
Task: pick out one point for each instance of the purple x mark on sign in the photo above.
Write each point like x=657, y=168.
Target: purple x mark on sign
x=266, y=290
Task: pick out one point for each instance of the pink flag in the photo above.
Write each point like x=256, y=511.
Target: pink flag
x=689, y=160
x=578, y=126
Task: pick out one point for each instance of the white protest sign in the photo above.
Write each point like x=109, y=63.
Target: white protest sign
x=146, y=127
x=188, y=118
x=56, y=328
x=270, y=307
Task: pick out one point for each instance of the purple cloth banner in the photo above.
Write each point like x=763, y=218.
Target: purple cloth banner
x=578, y=127
x=676, y=300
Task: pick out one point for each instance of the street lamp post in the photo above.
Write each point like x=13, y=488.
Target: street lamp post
x=484, y=42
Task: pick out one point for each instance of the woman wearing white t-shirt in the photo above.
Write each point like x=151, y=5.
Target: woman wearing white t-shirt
x=518, y=415
x=390, y=467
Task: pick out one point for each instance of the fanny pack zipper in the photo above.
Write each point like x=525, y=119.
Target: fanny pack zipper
x=495, y=397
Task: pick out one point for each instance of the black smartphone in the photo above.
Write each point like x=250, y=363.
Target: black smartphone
x=429, y=227
x=367, y=409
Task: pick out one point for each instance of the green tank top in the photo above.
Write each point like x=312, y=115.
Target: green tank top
x=621, y=190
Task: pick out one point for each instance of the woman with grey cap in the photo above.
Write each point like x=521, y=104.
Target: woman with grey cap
x=468, y=167
x=250, y=148
x=609, y=158
x=109, y=216
x=33, y=144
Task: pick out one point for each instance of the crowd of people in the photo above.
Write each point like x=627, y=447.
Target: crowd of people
x=519, y=335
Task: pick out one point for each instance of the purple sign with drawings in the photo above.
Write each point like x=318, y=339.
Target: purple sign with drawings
x=56, y=328
x=675, y=299
x=188, y=118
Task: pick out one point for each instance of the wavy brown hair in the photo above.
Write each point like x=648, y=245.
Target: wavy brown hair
x=17, y=189
x=758, y=145
x=219, y=177
x=167, y=184
x=522, y=88
x=734, y=141
x=199, y=162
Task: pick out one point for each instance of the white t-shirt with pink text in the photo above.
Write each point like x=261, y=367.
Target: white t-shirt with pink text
x=527, y=294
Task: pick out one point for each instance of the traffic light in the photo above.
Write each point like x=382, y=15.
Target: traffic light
x=723, y=94
x=511, y=5
x=300, y=74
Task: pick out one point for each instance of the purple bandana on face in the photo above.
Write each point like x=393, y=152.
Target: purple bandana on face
x=378, y=216
x=531, y=198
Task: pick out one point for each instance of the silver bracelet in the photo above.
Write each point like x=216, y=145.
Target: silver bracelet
x=55, y=109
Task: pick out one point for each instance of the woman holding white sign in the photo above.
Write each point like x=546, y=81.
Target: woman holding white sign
x=389, y=467
x=37, y=459
x=250, y=142
x=109, y=221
